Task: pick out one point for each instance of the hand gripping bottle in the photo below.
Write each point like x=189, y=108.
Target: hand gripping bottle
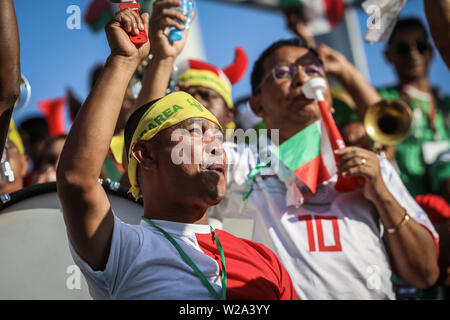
x=186, y=8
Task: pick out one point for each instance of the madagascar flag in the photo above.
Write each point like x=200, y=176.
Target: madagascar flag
x=98, y=14
x=309, y=155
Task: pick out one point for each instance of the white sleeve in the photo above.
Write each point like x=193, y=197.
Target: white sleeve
x=241, y=159
x=125, y=245
x=401, y=194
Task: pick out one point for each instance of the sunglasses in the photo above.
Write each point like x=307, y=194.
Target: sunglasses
x=404, y=48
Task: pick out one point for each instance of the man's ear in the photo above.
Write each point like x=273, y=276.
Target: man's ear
x=144, y=154
x=256, y=106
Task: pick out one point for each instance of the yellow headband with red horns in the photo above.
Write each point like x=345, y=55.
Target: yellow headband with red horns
x=200, y=73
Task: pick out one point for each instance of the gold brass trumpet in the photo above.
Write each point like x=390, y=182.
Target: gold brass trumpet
x=388, y=122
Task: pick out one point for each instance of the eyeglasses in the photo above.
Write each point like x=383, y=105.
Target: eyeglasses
x=288, y=72
x=404, y=48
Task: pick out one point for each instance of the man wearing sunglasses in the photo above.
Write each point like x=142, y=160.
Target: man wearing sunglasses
x=409, y=52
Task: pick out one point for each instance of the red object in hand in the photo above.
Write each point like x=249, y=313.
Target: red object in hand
x=314, y=89
x=343, y=184
x=333, y=133
x=142, y=37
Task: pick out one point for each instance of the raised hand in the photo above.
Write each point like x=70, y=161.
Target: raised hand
x=360, y=162
x=297, y=23
x=337, y=65
x=118, y=32
x=162, y=18
x=335, y=62
x=87, y=211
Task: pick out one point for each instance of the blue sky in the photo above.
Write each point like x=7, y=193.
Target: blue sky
x=54, y=57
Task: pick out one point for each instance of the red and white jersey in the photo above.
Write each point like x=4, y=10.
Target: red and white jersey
x=143, y=264
x=332, y=245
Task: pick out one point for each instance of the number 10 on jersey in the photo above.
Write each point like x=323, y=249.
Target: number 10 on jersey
x=314, y=226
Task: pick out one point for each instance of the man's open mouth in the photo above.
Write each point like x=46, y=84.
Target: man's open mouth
x=220, y=169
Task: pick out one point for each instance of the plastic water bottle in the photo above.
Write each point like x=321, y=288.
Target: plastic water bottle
x=187, y=9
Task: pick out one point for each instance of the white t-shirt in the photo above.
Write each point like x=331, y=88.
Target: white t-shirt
x=143, y=264
x=332, y=245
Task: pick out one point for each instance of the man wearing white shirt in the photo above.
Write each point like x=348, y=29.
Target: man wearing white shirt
x=334, y=245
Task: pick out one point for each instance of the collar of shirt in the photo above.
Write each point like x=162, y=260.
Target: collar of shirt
x=178, y=228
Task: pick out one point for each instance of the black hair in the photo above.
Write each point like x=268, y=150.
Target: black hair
x=36, y=128
x=407, y=23
x=258, y=68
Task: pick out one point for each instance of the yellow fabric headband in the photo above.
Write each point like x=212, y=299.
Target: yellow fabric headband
x=14, y=136
x=208, y=79
x=163, y=114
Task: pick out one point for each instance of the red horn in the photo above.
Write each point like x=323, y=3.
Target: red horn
x=236, y=70
x=53, y=111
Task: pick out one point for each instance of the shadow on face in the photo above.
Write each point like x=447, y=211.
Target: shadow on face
x=410, y=53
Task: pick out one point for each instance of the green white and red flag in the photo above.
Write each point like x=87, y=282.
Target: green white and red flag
x=309, y=155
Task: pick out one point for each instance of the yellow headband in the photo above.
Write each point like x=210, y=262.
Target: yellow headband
x=208, y=79
x=165, y=113
x=116, y=146
x=14, y=136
